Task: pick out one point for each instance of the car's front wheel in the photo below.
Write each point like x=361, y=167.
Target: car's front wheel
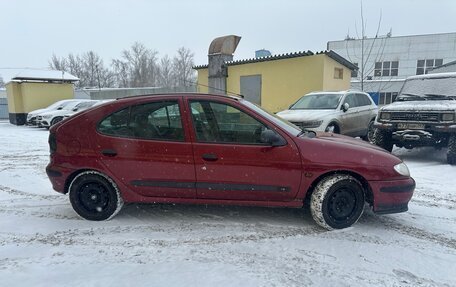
x=337, y=201
x=95, y=196
x=332, y=128
x=56, y=120
x=451, y=154
x=383, y=139
x=370, y=132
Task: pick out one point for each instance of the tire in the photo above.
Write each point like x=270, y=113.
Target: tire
x=337, y=202
x=55, y=120
x=95, y=196
x=451, y=154
x=332, y=128
x=383, y=139
x=369, y=137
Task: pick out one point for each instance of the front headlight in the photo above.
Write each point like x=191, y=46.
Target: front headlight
x=402, y=169
x=448, y=117
x=311, y=124
x=385, y=116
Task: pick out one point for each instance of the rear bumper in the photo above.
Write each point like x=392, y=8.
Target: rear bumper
x=392, y=196
x=58, y=175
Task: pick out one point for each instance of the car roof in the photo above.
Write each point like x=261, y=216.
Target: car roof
x=140, y=97
x=336, y=92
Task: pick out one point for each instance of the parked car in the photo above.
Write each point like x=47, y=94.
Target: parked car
x=209, y=149
x=47, y=119
x=424, y=114
x=31, y=117
x=349, y=113
x=82, y=107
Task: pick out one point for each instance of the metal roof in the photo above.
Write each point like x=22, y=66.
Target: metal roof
x=333, y=55
x=44, y=75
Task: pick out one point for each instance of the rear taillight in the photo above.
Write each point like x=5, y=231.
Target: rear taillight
x=52, y=143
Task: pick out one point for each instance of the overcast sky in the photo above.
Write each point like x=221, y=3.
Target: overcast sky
x=31, y=31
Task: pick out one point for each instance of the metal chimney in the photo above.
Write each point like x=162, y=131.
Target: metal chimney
x=220, y=51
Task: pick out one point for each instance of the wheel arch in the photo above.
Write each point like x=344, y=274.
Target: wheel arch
x=78, y=172
x=368, y=194
x=336, y=123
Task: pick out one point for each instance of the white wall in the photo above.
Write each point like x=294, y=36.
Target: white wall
x=405, y=49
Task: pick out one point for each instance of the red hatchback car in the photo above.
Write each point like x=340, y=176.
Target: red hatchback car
x=209, y=149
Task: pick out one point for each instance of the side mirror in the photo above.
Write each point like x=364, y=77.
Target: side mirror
x=272, y=138
x=345, y=107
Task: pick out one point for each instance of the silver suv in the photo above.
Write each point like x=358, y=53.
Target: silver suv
x=346, y=112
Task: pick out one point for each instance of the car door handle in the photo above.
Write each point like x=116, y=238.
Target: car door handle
x=109, y=152
x=210, y=157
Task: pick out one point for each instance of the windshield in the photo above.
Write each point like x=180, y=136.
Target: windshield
x=428, y=89
x=317, y=102
x=59, y=104
x=289, y=127
x=84, y=105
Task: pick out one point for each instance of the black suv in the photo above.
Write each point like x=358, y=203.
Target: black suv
x=424, y=114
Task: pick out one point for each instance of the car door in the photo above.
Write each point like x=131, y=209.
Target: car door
x=232, y=163
x=145, y=146
x=366, y=111
x=350, y=117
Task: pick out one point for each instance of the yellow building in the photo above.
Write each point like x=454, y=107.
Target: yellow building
x=32, y=90
x=276, y=82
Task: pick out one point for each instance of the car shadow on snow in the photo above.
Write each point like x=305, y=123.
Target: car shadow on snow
x=234, y=214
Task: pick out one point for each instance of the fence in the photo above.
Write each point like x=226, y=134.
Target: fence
x=3, y=108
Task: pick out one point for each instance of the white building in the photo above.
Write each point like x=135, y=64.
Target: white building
x=388, y=61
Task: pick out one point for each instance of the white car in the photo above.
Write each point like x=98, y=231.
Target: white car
x=31, y=117
x=346, y=112
x=85, y=105
x=49, y=118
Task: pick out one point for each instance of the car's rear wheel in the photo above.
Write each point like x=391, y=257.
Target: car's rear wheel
x=383, y=139
x=451, y=154
x=95, y=196
x=370, y=132
x=337, y=201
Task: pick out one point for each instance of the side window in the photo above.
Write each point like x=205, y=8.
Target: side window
x=363, y=100
x=156, y=121
x=117, y=124
x=221, y=123
x=351, y=100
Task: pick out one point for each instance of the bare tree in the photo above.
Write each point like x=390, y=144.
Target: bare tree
x=182, y=65
x=371, y=52
x=140, y=64
x=57, y=63
x=121, y=73
x=2, y=83
x=166, y=73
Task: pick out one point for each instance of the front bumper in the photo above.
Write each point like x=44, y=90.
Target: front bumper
x=428, y=127
x=392, y=196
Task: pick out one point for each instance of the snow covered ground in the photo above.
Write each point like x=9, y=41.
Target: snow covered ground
x=44, y=243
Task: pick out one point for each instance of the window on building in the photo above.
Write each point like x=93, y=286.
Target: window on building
x=338, y=73
x=387, y=98
x=424, y=66
x=354, y=73
x=386, y=68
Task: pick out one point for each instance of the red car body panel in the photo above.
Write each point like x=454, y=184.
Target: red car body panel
x=186, y=172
